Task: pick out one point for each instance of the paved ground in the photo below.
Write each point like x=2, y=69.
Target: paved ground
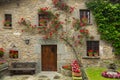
x=39, y=76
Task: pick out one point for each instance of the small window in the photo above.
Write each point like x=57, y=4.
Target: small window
x=8, y=20
x=92, y=48
x=85, y=16
x=43, y=19
x=13, y=53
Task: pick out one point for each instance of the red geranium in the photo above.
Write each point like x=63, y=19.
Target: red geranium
x=90, y=51
x=75, y=66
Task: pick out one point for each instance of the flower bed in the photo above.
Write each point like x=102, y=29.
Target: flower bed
x=108, y=74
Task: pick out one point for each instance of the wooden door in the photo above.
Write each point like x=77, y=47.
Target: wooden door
x=49, y=57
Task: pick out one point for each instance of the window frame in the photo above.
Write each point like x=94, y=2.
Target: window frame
x=86, y=11
x=94, y=47
x=11, y=56
x=8, y=17
x=43, y=17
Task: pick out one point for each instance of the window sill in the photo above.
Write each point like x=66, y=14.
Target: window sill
x=14, y=59
x=91, y=57
x=6, y=27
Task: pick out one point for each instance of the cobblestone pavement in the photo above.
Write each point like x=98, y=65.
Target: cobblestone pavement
x=40, y=76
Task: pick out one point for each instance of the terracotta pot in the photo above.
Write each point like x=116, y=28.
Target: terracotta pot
x=96, y=54
x=7, y=25
x=90, y=54
x=76, y=74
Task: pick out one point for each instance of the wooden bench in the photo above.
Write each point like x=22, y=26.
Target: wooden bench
x=22, y=68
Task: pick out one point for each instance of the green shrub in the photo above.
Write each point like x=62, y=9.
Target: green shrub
x=107, y=16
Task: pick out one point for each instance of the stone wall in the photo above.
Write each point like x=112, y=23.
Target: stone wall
x=28, y=9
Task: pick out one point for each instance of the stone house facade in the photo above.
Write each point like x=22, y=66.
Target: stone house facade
x=14, y=38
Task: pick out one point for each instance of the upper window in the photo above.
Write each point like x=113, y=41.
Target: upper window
x=85, y=16
x=92, y=48
x=43, y=19
x=8, y=20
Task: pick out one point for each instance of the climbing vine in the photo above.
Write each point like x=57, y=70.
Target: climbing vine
x=107, y=16
x=61, y=5
x=73, y=36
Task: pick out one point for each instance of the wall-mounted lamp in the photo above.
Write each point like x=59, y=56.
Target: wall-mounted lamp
x=27, y=41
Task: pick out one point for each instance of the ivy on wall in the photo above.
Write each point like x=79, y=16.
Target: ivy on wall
x=107, y=17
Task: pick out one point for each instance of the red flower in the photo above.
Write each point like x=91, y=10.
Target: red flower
x=79, y=36
x=82, y=24
x=82, y=30
x=22, y=18
x=55, y=1
x=51, y=33
x=1, y=49
x=75, y=66
x=22, y=30
x=44, y=9
x=63, y=4
x=90, y=51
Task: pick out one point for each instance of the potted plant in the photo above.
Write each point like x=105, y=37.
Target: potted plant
x=95, y=53
x=1, y=52
x=67, y=67
x=7, y=23
x=90, y=52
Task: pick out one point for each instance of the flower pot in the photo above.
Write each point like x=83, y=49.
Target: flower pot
x=90, y=54
x=95, y=54
x=76, y=74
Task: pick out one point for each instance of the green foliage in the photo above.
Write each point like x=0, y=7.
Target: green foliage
x=107, y=16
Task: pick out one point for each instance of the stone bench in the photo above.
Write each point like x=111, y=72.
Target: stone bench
x=3, y=67
x=22, y=68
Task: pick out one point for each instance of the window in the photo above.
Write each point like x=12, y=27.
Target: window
x=43, y=19
x=92, y=48
x=8, y=20
x=14, y=53
x=85, y=16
